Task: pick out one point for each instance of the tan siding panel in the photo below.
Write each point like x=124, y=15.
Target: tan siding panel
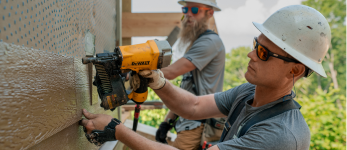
x=44, y=85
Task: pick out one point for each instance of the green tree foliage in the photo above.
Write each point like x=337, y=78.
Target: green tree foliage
x=326, y=122
x=236, y=64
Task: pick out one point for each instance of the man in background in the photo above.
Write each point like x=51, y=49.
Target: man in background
x=200, y=56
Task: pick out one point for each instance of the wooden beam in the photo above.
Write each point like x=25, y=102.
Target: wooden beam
x=126, y=8
x=126, y=115
x=149, y=24
x=153, y=24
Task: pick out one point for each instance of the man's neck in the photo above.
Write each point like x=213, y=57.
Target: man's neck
x=264, y=95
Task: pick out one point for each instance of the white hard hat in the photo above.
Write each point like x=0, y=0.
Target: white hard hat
x=302, y=32
x=212, y=3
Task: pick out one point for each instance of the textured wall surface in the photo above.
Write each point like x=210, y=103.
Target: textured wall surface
x=44, y=85
x=58, y=26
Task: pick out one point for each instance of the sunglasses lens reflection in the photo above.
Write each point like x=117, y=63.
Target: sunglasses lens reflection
x=262, y=53
x=195, y=10
x=184, y=10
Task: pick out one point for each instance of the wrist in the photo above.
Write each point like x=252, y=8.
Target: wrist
x=99, y=137
x=119, y=129
x=113, y=125
x=163, y=84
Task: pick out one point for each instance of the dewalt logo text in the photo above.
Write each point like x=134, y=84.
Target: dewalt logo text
x=140, y=63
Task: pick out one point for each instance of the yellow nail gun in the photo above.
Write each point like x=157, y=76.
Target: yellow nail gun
x=151, y=55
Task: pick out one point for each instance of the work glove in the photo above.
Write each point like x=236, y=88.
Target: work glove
x=134, y=82
x=156, y=78
x=161, y=134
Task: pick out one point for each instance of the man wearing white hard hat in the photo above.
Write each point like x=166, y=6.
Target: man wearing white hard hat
x=262, y=114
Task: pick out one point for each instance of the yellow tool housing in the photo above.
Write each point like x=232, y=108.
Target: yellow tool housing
x=140, y=56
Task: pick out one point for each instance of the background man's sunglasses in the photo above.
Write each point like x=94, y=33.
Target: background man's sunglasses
x=195, y=10
x=263, y=54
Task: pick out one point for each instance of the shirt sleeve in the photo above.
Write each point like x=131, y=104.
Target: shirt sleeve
x=262, y=137
x=225, y=100
x=202, y=52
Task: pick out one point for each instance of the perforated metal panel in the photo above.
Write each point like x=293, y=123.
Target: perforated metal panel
x=58, y=26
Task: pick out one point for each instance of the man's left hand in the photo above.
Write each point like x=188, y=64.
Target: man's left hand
x=97, y=127
x=94, y=121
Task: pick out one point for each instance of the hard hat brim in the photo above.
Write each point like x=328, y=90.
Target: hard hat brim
x=215, y=7
x=318, y=68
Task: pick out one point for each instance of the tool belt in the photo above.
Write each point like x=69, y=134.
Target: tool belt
x=213, y=130
x=217, y=124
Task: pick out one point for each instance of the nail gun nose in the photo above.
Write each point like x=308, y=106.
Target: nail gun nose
x=86, y=60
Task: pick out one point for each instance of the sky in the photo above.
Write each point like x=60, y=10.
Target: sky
x=234, y=22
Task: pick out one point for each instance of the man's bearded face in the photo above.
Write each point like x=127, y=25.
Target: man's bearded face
x=191, y=29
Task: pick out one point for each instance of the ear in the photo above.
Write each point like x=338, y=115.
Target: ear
x=298, y=70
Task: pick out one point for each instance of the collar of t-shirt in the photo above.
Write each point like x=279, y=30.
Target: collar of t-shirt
x=250, y=108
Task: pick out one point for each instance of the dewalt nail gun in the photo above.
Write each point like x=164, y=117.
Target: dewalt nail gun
x=151, y=55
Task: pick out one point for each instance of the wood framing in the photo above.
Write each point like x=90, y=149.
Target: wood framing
x=126, y=8
x=153, y=24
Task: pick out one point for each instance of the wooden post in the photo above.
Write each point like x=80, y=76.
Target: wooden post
x=126, y=7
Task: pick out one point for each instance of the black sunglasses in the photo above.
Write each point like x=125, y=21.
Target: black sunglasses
x=263, y=54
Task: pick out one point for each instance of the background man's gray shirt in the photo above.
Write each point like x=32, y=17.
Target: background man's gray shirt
x=287, y=131
x=208, y=55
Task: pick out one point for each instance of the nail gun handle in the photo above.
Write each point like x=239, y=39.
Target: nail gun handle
x=143, y=85
x=140, y=95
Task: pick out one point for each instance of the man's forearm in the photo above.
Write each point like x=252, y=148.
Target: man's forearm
x=178, y=68
x=136, y=141
x=168, y=73
x=180, y=101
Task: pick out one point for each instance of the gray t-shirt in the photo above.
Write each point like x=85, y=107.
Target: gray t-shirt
x=208, y=55
x=287, y=131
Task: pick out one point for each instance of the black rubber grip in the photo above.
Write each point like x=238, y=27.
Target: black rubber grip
x=143, y=85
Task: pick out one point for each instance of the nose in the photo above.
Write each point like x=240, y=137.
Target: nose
x=189, y=13
x=252, y=55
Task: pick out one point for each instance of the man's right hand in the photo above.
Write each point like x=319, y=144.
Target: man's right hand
x=160, y=136
x=156, y=78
